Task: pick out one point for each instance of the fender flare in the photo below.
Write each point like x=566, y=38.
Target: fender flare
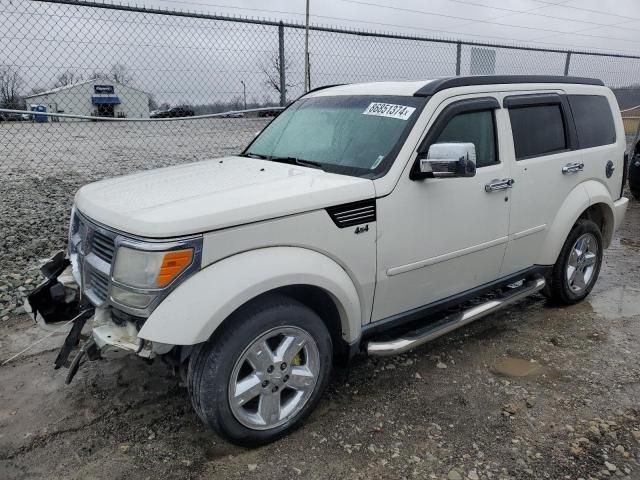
x=192, y=312
x=575, y=204
x=600, y=195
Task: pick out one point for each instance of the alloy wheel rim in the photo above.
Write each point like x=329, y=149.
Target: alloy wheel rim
x=274, y=378
x=582, y=263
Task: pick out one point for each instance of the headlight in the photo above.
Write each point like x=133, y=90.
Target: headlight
x=132, y=299
x=150, y=269
x=144, y=273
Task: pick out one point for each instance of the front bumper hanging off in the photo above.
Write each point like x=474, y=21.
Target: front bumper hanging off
x=58, y=302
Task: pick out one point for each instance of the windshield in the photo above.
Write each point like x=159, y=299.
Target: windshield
x=355, y=135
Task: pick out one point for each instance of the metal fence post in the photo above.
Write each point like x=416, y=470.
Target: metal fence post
x=281, y=64
x=567, y=63
x=458, y=58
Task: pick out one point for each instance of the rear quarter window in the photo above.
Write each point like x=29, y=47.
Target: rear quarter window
x=593, y=120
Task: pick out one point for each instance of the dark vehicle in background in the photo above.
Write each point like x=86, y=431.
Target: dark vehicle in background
x=634, y=171
x=13, y=117
x=634, y=166
x=174, y=112
x=269, y=113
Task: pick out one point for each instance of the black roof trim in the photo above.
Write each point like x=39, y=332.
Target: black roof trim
x=452, y=82
x=322, y=87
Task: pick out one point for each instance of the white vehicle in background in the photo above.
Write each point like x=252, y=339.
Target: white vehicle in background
x=363, y=218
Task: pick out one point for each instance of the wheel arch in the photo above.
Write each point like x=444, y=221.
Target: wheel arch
x=320, y=301
x=590, y=200
x=602, y=215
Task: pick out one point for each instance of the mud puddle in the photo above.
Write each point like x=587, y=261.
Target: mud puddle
x=516, y=367
x=616, y=302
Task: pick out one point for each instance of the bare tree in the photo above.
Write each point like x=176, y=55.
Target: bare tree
x=118, y=73
x=67, y=78
x=37, y=90
x=11, y=84
x=153, y=104
x=271, y=70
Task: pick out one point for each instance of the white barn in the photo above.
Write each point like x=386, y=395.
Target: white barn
x=96, y=97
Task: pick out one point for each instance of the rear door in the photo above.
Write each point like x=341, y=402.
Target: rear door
x=545, y=168
x=559, y=141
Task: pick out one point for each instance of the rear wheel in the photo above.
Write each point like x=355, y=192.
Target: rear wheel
x=263, y=373
x=636, y=193
x=578, y=266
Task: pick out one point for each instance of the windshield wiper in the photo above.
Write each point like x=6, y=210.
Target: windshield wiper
x=296, y=161
x=289, y=160
x=254, y=155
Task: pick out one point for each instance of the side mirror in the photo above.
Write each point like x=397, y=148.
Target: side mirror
x=449, y=160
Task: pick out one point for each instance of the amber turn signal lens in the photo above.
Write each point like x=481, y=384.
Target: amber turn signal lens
x=173, y=264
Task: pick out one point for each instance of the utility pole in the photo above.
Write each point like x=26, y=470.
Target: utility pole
x=306, y=52
x=282, y=60
x=244, y=93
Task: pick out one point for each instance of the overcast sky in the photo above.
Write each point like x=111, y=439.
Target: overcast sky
x=610, y=25
x=186, y=60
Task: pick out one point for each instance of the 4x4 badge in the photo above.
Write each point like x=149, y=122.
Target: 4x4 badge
x=362, y=229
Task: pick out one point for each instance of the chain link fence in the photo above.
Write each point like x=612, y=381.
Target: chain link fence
x=89, y=91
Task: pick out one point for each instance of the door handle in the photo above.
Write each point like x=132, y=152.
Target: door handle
x=573, y=168
x=499, y=184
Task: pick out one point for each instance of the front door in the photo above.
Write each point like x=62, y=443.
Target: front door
x=441, y=236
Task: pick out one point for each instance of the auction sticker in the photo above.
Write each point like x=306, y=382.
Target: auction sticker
x=390, y=110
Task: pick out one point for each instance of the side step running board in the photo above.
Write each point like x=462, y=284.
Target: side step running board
x=421, y=336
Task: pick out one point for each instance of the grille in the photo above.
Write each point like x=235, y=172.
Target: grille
x=99, y=285
x=355, y=213
x=92, y=250
x=102, y=246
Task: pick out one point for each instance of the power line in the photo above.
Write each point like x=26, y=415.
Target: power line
x=508, y=14
x=555, y=17
x=405, y=27
x=200, y=4
x=626, y=17
x=455, y=17
x=577, y=31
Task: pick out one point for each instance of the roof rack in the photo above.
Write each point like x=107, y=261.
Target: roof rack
x=453, y=82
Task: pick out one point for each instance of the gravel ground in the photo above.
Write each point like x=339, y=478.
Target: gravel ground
x=533, y=392
x=36, y=193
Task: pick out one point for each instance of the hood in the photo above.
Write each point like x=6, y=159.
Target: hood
x=214, y=194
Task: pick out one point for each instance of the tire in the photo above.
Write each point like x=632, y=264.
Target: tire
x=586, y=265
x=235, y=357
x=636, y=193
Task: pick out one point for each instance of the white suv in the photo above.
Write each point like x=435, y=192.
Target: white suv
x=363, y=218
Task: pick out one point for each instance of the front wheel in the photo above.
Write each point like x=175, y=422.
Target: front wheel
x=263, y=372
x=578, y=266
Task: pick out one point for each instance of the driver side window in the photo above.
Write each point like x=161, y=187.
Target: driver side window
x=477, y=128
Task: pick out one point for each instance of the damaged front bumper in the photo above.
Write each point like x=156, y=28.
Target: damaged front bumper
x=58, y=304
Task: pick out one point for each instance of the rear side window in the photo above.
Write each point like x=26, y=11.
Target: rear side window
x=593, y=119
x=538, y=130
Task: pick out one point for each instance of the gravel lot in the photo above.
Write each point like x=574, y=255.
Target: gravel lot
x=42, y=166
x=534, y=392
